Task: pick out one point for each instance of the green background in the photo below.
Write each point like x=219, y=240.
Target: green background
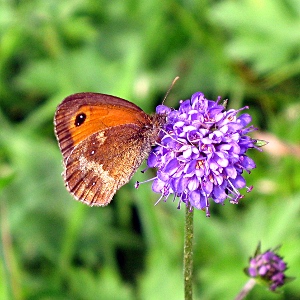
x=53, y=247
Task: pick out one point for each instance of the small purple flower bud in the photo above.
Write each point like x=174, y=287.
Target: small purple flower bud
x=268, y=268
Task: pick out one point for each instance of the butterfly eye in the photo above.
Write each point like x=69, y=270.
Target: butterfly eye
x=80, y=118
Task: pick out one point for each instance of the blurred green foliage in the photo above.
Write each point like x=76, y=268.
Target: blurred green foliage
x=55, y=248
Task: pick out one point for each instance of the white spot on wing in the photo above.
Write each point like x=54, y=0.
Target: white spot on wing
x=85, y=166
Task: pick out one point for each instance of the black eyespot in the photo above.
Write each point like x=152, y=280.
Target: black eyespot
x=80, y=118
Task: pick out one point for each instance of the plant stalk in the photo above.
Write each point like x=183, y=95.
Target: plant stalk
x=188, y=253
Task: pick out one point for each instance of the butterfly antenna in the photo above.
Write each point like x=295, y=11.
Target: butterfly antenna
x=171, y=86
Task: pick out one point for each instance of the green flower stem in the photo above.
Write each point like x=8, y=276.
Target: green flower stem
x=188, y=253
x=246, y=289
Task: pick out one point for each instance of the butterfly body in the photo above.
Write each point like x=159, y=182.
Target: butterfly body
x=103, y=140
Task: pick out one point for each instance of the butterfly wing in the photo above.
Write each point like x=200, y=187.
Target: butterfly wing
x=81, y=115
x=103, y=139
x=103, y=162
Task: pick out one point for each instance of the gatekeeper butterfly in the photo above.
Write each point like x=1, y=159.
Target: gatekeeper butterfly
x=103, y=140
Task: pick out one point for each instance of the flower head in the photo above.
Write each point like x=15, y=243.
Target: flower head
x=268, y=268
x=201, y=153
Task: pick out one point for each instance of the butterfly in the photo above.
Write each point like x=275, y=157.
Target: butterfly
x=103, y=140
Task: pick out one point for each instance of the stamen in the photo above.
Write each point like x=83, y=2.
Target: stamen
x=234, y=189
x=143, y=171
x=169, y=135
x=249, y=189
x=207, y=213
x=158, y=200
x=137, y=184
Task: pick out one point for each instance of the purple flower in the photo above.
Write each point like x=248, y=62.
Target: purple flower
x=201, y=153
x=268, y=268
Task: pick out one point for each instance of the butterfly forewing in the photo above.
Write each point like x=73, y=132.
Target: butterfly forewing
x=81, y=115
x=103, y=139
